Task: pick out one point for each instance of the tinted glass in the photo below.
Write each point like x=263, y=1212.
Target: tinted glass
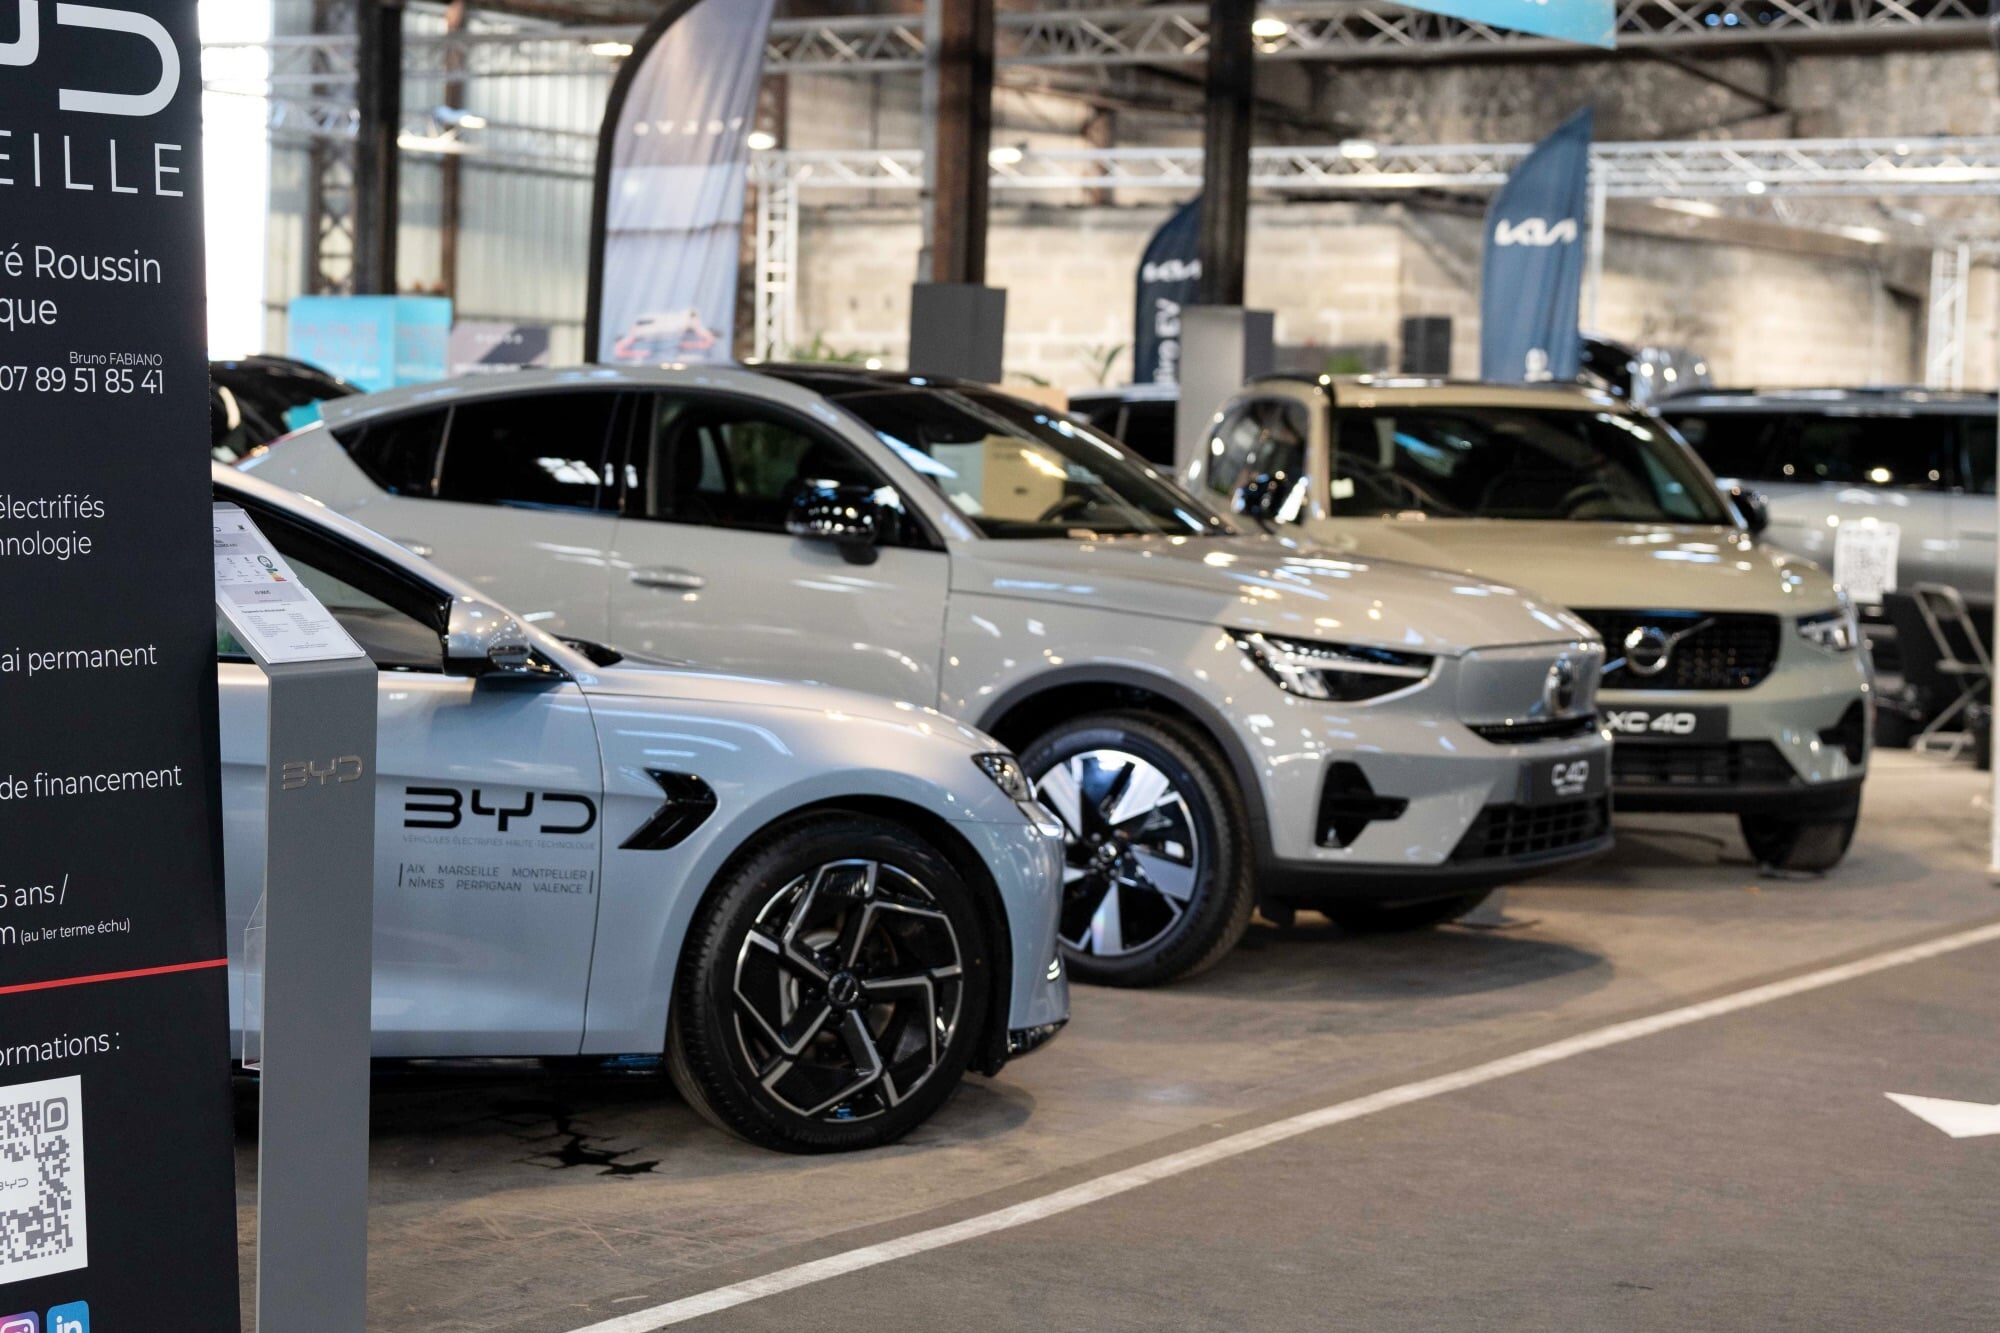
x=544, y=452
x=1519, y=464
x=1015, y=470
x=738, y=465
x=1743, y=445
x=1902, y=452
x=401, y=454
x=1148, y=430
x=1258, y=454
x=1976, y=461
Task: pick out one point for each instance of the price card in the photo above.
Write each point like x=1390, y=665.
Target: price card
x=1864, y=559
x=273, y=613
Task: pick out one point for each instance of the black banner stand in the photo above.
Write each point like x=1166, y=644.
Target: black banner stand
x=117, y=1197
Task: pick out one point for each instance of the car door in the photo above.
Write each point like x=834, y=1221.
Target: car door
x=487, y=832
x=704, y=568
x=509, y=492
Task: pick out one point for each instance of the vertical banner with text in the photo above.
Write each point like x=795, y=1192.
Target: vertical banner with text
x=672, y=165
x=1531, y=278
x=1169, y=282
x=117, y=1197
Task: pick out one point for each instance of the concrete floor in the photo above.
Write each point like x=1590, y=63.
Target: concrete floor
x=1741, y=1172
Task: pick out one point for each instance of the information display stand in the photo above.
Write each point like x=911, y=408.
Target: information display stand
x=319, y=892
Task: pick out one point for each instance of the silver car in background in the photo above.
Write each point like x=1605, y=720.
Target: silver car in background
x=821, y=907
x=1218, y=718
x=1734, y=682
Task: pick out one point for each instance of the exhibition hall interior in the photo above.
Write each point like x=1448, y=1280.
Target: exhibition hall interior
x=920, y=664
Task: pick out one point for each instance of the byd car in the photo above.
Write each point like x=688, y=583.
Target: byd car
x=1214, y=716
x=1733, y=683
x=822, y=907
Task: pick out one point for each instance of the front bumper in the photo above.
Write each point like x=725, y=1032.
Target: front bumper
x=1454, y=811
x=1027, y=869
x=1797, y=742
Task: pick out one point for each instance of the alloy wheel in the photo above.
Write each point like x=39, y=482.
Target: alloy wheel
x=1131, y=853
x=848, y=990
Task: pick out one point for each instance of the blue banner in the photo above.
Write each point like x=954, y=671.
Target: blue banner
x=1589, y=22
x=1532, y=278
x=1169, y=282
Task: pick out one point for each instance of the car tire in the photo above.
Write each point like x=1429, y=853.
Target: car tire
x=1800, y=846
x=815, y=980
x=1389, y=918
x=1178, y=872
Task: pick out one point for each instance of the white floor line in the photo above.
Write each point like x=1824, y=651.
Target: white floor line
x=1119, y=1182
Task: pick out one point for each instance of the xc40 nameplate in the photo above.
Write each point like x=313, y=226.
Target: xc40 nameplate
x=1667, y=725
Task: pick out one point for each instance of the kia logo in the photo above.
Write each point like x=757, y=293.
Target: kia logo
x=26, y=48
x=1534, y=232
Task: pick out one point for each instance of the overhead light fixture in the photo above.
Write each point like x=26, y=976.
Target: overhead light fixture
x=429, y=143
x=459, y=118
x=761, y=141
x=1270, y=29
x=1006, y=155
x=611, y=50
x=1359, y=150
x=1866, y=235
x=1698, y=208
x=1754, y=187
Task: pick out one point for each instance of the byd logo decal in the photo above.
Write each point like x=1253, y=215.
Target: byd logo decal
x=27, y=48
x=1535, y=232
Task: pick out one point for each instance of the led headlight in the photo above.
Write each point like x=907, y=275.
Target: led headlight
x=1837, y=631
x=1334, y=671
x=1012, y=780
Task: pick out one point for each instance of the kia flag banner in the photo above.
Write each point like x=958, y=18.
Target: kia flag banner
x=1169, y=282
x=672, y=160
x=1532, y=278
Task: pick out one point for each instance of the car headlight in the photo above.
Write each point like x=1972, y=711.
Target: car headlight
x=1837, y=631
x=1012, y=780
x=1335, y=671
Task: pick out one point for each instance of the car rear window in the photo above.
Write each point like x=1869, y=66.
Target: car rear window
x=400, y=454
x=1898, y=450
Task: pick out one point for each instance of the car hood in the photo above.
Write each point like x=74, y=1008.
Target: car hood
x=638, y=679
x=1606, y=565
x=1267, y=584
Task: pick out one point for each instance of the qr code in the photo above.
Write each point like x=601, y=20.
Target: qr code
x=42, y=1228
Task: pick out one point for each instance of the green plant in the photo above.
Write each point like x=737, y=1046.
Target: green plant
x=1100, y=358
x=820, y=350
x=1346, y=363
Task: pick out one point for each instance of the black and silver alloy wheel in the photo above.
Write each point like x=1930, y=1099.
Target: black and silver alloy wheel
x=1157, y=880
x=832, y=988
x=848, y=990
x=1130, y=851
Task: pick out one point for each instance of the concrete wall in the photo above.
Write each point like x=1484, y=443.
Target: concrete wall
x=1344, y=274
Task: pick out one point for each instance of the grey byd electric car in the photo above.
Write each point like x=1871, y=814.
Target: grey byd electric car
x=821, y=907
x=1733, y=683
x=1215, y=716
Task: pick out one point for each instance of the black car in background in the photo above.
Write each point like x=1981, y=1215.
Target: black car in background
x=255, y=399
x=1139, y=416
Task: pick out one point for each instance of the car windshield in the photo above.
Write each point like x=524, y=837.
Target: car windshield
x=1017, y=471
x=1519, y=463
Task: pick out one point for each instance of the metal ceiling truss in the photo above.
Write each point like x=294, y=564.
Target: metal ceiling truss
x=1163, y=34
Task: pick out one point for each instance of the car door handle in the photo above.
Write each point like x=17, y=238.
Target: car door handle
x=678, y=580
x=422, y=550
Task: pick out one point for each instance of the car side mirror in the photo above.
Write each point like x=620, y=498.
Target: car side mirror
x=849, y=517
x=1755, y=510
x=1262, y=497
x=483, y=640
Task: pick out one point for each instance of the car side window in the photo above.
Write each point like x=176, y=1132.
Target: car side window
x=1257, y=457
x=1743, y=445
x=1976, y=462
x=725, y=464
x=537, y=451
x=399, y=626
x=1906, y=453
x=400, y=454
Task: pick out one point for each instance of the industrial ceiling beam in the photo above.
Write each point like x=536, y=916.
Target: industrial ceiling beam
x=1346, y=31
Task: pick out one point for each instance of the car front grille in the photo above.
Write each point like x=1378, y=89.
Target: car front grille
x=1725, y=651
x=1653, y=767
x=1512, y=832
